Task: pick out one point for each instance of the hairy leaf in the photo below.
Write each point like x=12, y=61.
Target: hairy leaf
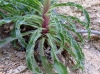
x=47, y=66
x=57, y=64
x=32, y=65
x=9, y=39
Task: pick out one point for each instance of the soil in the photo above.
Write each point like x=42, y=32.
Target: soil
x=13, y=62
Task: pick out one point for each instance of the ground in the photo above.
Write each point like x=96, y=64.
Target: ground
x=13, y=62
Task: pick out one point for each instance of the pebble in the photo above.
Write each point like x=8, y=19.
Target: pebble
x=18, y=70
x=21, y=55
x=2, y=73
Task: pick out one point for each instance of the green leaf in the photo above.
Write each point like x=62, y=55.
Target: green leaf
x=9, y=7
x=32, y=65
x=14, y=43
x=61, y=69
x=62, y=38
x=66, y=4
x=74, y=5
x=57, y=21
x=11, y=10
x=18, y=34
x=5, y=41
x=71, y=26
x=29, y=13
x=19, y=22
x=63, y=46
x=2, y=14
x=47, y=66
x=79, y=56
x=9, y=39
x=34, y=4
x=88, y=22
x=74, y=49
x=86, y=16
x=6, y=20
x=33, y=19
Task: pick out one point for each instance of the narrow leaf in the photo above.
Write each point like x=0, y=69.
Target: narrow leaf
x=47, y=66
x=61, y=69
x=9, y=39
x=32, y=65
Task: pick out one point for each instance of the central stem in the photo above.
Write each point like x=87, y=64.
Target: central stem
x=45, y=17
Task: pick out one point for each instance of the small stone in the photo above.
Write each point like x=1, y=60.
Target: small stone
x=2, y=73
x=6, y=62
x=20, y=69
x=10, y=71
x=1, y=66
x=99, y=69
x=82, y=18
x=20, y=55
x=87, y=46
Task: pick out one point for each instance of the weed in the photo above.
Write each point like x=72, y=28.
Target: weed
x=46, y=31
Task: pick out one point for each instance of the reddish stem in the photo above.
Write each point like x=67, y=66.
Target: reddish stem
x=45, y=17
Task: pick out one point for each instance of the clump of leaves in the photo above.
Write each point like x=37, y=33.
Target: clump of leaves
x=47, y=30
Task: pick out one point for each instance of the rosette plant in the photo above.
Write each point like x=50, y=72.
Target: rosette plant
x=47, y=30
